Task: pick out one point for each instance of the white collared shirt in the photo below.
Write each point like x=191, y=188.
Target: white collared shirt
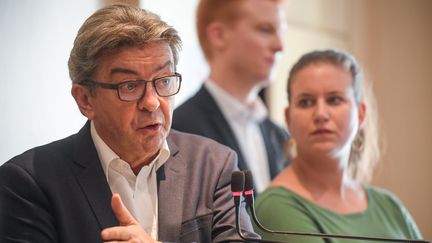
x=138, y=193
x=244, y=120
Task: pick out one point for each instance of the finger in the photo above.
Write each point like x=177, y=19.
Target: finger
x=115, y=234
x=121, y=212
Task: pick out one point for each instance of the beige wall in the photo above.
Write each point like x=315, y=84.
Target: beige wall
x=311, y=24
x=392, y=39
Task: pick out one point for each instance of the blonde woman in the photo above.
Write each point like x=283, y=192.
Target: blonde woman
x=325, y=188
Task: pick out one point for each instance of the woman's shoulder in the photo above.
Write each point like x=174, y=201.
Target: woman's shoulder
x=385, y=202
x=382, y=195
x=278, y=197
x=276, y=193
x=389, y=205
x=276, y=204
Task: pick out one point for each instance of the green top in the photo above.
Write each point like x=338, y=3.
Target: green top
x=281, y=209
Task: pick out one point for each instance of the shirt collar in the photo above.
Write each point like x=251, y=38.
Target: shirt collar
x=234, y=109
x=107, y=155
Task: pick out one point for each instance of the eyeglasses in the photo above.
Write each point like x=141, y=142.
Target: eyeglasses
x=135, y=89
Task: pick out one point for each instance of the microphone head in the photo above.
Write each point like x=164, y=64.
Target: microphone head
x=237, y=181
x=248, y=180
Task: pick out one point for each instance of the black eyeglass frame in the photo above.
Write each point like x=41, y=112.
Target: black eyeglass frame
x=89, y=82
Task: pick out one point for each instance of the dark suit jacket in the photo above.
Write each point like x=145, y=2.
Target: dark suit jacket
x=201, y=115
x=59, y=193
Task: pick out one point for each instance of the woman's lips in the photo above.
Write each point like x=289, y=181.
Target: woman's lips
x=321, y=132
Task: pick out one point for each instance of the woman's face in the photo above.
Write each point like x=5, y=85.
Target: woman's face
x=323, y=116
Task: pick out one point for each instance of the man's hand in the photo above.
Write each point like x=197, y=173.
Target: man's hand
x=129, y=230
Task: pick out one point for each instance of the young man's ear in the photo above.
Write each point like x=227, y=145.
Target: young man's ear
x=82, y=96
x=216, y=35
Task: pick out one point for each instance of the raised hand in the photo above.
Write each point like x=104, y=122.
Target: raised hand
x=129, y=230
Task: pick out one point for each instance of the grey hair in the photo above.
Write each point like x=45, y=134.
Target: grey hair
x=113, y=27
x=363, y=157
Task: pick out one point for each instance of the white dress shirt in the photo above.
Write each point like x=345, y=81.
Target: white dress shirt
x=244, y=120
x=138, y=193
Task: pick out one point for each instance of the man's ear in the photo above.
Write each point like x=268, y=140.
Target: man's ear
x=216, y=35
x=83, y=98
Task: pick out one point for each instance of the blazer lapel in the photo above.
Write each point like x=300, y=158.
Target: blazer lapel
x=171, y=180
x=90, y=176
x=274, y=147
x=218, y=121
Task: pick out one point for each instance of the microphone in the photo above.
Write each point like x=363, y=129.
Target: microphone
x=237, y=186
x=249, y=199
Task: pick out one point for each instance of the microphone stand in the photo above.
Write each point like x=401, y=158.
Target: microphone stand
x=237, y=187
x=249, y=198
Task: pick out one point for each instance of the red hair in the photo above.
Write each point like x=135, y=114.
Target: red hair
x=209, y=11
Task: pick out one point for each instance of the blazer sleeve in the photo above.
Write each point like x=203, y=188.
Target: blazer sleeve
x=224, y=222
x=24, y=209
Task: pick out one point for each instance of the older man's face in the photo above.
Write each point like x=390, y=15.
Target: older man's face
x=134, y=130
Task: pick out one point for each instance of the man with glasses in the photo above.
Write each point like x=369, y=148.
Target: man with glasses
x=125, y=176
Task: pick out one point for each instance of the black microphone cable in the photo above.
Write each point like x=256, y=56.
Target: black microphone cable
x=249, y=199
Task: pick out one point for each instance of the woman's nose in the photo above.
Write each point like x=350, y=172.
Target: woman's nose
x=321, y=112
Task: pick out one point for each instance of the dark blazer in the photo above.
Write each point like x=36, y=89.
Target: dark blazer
x=59, y=193
x=201, y=115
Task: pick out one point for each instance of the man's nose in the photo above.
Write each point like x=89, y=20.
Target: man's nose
x=277, y=44
x=150, y=99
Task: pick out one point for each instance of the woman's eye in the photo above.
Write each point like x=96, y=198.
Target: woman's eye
x=334, y=100
x=305, y=102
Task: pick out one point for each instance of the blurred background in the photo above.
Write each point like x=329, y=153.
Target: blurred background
x=392, y=40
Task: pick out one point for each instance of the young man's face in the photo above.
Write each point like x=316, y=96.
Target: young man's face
x=254, y=39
